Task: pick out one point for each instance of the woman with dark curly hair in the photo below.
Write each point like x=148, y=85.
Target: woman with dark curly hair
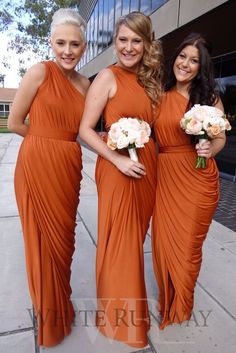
x=126, y=189
x=186, y=197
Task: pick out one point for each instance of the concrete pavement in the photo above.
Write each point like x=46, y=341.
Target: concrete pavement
x=212, y=328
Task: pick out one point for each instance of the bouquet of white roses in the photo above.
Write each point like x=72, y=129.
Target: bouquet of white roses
x=129, y=133
x=206, y=123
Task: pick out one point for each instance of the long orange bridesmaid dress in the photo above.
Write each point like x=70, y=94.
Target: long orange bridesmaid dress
x=186, y=199
x=125, y=205
x=47, y=184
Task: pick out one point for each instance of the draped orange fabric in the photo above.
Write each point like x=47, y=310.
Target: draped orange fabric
x=47, y=184
x=125, y=206
x=186, y=199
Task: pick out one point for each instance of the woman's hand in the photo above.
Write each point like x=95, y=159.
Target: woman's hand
x=209, y=149
x=204, y=149
x=129, y=167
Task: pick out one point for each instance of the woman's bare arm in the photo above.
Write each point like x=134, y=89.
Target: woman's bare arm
x=24, y=98
x=102, y=89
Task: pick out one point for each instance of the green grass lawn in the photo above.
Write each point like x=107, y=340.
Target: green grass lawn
x=3, y=129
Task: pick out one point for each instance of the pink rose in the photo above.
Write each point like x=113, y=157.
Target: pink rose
x=194, y=127
x=141, y=139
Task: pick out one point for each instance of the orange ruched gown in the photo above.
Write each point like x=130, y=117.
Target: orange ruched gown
x=47, y=184
x=125, y=205
x=186, y=199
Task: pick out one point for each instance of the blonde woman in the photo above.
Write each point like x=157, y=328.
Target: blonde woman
x=126, y=189
x=48, y=173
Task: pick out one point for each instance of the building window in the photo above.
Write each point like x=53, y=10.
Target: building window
x=100, y=26
x=117, y=9
x=155, y=4
x=111, y=21
x=146, y=7
x=95, y=25
x=92, y=29
x=125, y=7
x=4, y=110
x=134, y=5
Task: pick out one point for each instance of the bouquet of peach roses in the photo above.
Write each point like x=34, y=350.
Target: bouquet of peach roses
x=206, y=123
x=129, y=133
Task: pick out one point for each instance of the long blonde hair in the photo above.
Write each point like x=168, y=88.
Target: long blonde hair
x=150, y=71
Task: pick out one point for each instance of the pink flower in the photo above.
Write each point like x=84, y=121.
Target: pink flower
x=194, y=127
x=112, y=145
x=141, y=139
x=114, y=132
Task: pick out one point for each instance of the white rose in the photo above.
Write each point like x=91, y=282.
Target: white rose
x=134, y=124
x=145, y=127
x=114, y=132
x=123, y=141
x=141, y=139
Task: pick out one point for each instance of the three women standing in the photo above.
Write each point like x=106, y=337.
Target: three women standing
x=126, y=189
x=48, y=173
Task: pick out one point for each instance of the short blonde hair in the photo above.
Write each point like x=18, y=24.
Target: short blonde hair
x=70, y=17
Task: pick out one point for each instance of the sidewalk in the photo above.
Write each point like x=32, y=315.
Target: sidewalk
x=212, y=328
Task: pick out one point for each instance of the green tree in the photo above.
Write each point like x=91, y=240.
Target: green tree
x=29, y=25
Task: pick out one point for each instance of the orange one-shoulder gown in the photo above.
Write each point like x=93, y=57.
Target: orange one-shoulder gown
x=125, y=205
x=186, y=199
x=47, y=184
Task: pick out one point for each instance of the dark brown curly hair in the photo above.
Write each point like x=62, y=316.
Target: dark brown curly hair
x=203, y=88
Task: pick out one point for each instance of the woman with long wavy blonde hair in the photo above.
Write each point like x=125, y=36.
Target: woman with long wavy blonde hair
x=126, y=188
x=149, y=73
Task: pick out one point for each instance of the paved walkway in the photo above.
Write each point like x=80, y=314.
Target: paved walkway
x=212, y=328
x=226, y=211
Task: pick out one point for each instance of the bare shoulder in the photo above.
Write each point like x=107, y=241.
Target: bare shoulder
x=84, y=82
x=218, y=104
x=37, y=71
x=34, y=76
x=105, y=80
x=105, y=75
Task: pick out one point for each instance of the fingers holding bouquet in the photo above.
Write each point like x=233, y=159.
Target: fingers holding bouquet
x=204, y=149
x=129, y=167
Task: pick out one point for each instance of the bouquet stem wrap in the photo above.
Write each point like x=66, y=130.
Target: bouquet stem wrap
x=201, y=162
x=133, y=154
